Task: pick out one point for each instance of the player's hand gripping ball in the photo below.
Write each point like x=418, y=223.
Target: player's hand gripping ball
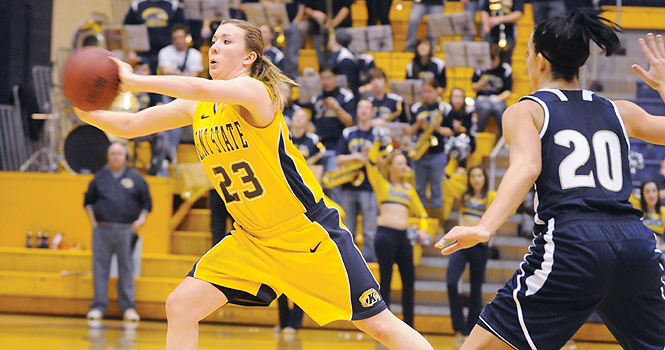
x=90, y=78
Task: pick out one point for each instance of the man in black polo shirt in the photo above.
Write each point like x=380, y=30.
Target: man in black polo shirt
x=117, y=201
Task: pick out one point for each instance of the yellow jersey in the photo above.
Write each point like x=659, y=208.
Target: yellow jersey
x=474, y=206
x=258, y=172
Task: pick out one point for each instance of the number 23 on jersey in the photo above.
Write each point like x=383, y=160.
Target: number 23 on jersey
x=238, y=181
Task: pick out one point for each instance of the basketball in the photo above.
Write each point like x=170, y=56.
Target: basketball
x=90, y=78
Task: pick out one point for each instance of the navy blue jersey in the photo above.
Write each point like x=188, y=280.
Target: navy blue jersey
x=275, y=56
x=158, y=16
x=308, y=144
x=418, y=70
x=347, y=65
x=500, y=79
x=584, y=155
x=354, y=140
x=420, y=110
x=327, y=123
x=388, y=108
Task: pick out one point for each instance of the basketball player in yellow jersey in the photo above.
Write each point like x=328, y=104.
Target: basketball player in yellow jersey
x=285, y=240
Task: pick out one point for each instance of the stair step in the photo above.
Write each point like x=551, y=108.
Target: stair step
x=191, y=242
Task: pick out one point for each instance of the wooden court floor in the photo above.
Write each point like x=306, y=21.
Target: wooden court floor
x=22, y=332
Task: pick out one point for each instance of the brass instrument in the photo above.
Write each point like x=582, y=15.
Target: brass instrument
x=426, y=139
x=496, y=6
x=349, y=172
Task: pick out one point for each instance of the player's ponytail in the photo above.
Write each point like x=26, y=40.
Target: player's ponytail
x=564, y=42
x=265, y=71
x=262, y=69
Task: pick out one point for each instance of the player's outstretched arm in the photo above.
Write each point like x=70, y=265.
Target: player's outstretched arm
x=638, y=122
x=150, y=120
x=521, y=132
x=242, y=91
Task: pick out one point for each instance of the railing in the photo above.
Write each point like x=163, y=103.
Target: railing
x=492, y=170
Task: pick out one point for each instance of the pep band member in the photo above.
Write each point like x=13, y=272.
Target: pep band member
x=591, y=252
x=285, y=240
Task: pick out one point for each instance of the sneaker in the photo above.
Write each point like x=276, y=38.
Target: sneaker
x=95, y=314
x=131, y=315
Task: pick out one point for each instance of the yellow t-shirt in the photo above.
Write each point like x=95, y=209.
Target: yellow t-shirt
x=258, y=172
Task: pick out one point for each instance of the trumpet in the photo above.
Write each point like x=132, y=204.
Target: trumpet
x=349, y=172
x=496, y=6
x=426, y=139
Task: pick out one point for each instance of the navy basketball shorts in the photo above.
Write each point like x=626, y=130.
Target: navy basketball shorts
x=608, y=264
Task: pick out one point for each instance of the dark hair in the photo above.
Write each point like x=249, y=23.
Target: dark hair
x=564, y=42
x=643, y=201
x=179, y=26
x=417, y=62
x=495, y=51
x=334, y=69
x=469, y=188
x=343, y=38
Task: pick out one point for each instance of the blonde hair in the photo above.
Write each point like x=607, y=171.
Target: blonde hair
x=262, y=69
x=388, y=162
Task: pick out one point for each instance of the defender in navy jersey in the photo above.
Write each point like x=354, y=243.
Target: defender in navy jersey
x=591, y=252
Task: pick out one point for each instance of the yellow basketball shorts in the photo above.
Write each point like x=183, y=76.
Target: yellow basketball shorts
x=310, y=258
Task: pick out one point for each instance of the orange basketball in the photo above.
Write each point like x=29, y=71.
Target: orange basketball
x=90, y=78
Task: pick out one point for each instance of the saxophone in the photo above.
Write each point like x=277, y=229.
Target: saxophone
x=497, y=8
x=426, y=139
x=349, y=172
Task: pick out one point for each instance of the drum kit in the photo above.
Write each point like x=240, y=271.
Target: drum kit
x=71, y=144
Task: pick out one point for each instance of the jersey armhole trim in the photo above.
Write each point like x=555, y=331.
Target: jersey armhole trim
x=546, y=118
x=623, y=127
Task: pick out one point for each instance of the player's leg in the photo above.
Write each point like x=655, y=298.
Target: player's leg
x=392, y=332
x=191, y=301
x=480, y=338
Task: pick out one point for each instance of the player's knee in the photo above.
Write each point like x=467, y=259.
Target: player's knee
x=376, y=326
x=176, y=307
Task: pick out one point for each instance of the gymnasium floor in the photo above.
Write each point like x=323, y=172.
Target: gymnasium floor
x=19, y=332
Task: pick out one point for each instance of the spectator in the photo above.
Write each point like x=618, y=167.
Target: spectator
x=159, y=16
x=463, y=120
x=424, y=64
x=499, y=25
x=386, y=106
x=475, y=202
x=397, y=199
x=418, y=10
x=471, y=6
x=295, y=34
x=546, y=9
x=654, y=212
x=117, y=202
x=354, y=147
x=493, y=87
x=332, y=111
x=660, y=179
x=378, y=10
x=307, y=142
x=344, y=60
x=430, y=168
x=365, y=65
x=178, y=59
x=290, y=106
x=270, y=52
x=158, y=143
x=320, y=24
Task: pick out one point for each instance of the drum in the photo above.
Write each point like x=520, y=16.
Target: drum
x=85, y=149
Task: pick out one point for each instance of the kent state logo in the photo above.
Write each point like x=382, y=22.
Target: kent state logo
x=370, y=297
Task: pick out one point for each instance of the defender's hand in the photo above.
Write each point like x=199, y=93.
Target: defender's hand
x=654, y=51
x=462, y=237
